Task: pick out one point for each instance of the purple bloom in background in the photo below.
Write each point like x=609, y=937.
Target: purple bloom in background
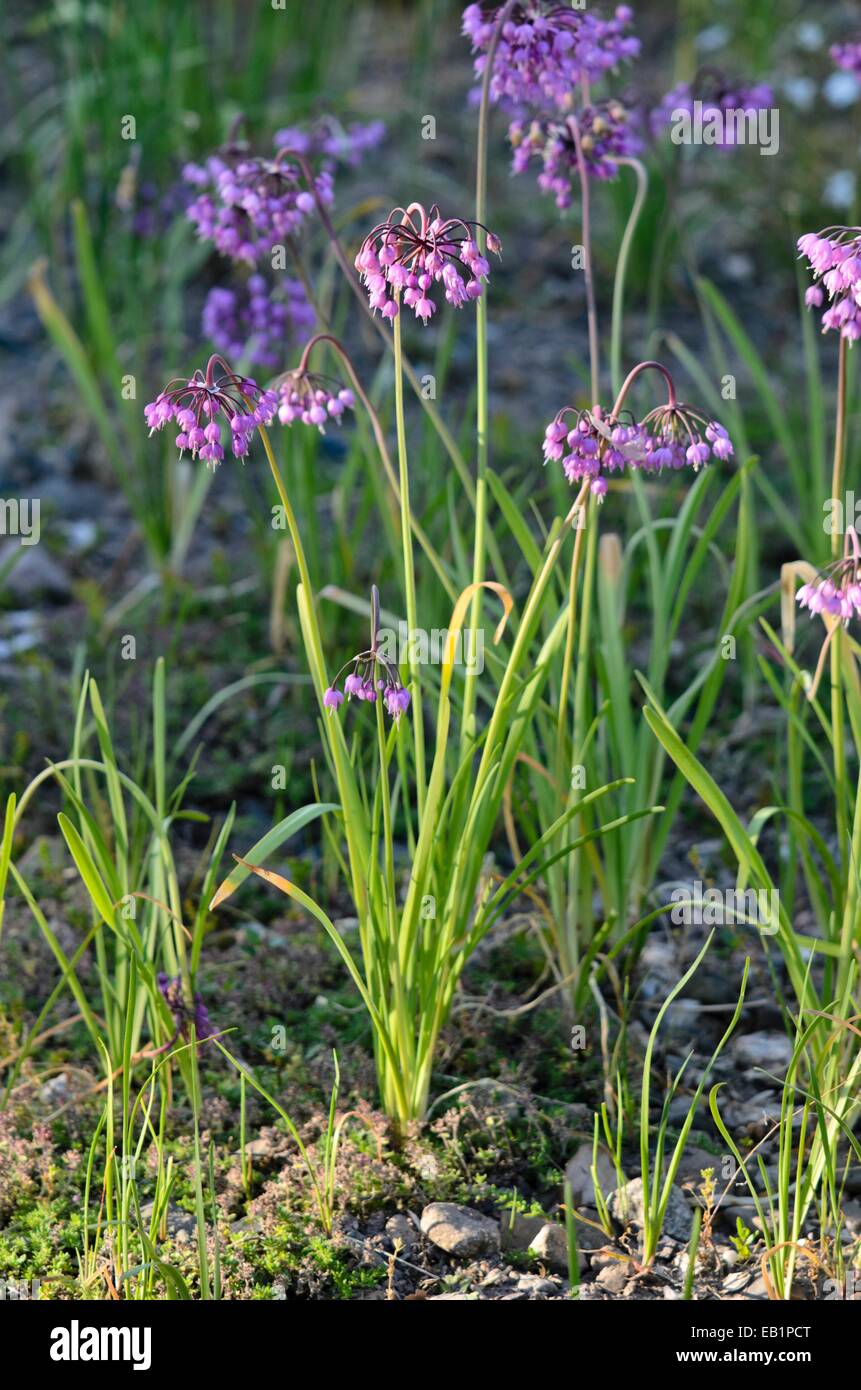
x=413, y=251
x=328, y=137
x=246, y=204
x=205, y=403
x=254, y=320
x=183, y=1015
x=847, y=56
x=718, y=98
x=834, y=257
x=606, y=136
x=546, y=50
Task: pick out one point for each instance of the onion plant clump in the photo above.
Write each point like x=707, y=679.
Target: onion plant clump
x=437, y=779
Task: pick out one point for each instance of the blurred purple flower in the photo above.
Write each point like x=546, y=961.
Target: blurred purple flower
x=349, y=144
x=847, y=56
x=606, y=135
x=718, y=97
x=183, y=1015
x=246, y=205
x=546, y=50
x=253, y=321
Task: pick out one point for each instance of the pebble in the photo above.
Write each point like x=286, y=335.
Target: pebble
x=460, y=1231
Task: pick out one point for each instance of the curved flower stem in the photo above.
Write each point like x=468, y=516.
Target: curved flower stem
x=482, y=409
x=382, y=447
x=622, y=269
x=409, y=573
x=445, y=435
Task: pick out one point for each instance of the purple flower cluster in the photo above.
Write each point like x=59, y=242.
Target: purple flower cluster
x=253, y=320
x=545, y=50
x=371, y=676
x=247, y=204
x=311, y=399
x=835, y=259
x=606, y=136
x=413, y=250
x=589, y=443
x=847, y=56
x=328, y=138
x=718, y=98
x=201, y=405
x=183, y=1015
x=837, y=593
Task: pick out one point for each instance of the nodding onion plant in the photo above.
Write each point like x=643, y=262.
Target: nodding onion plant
x=441, y=794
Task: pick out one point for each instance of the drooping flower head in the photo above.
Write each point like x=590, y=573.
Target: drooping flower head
x=593, y=443
x=371, y=675
x=183, y=1014
x=606, y=135
x=253, y=320
x=834, y=256
x=415, y=250
x=836, y=591
x=545, y=51
x=312, y=399
x=205, y=403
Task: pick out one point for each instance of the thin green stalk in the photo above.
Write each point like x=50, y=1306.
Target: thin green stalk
x=409, y=575
x=839, y=745
x=482, y=422
x=617, y=323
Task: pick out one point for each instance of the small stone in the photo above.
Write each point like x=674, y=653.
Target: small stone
x=626, y=1205
x=692, y=1163
x=579, y=1174
x=34, y=572
x=181, y=1225
x=614, y=1277
x=772, y=1051
x=259, y=1149
x=551, y=1247
x=536, y=1287
x=518, y=1232
x=56, y=1091
x=735, y=1282
x=757, y=1289
x=400, y=1227
x=460, y=1231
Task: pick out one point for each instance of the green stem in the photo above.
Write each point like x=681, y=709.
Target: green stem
x=409, y=573
x=467, y=732
x=622, y=270
x=837, y=721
